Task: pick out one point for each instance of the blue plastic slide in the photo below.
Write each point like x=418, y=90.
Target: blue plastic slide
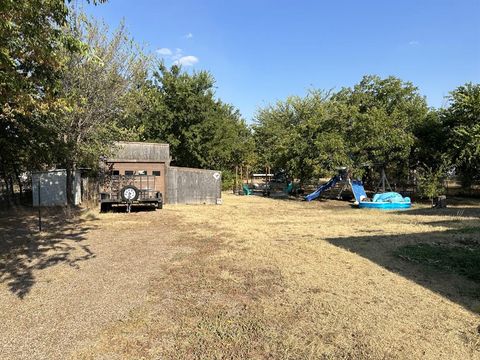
x=358, y=190
x=331, y=183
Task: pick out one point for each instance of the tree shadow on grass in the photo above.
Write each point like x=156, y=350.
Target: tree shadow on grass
x=434, y=274
x=455, y=212
x=24, y=250
x=457, y=208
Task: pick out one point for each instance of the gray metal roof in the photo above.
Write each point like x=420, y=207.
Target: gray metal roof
x=140, y=152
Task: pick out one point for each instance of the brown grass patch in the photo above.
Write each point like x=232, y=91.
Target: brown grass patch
x=273, y=279
x=261, y=278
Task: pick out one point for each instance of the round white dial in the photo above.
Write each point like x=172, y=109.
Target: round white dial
x=129, y=194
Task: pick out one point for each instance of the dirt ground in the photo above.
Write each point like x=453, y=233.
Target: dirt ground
x=254, y=278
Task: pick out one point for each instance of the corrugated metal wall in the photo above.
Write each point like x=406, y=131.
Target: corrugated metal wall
x=193, y=186
x=53, y=188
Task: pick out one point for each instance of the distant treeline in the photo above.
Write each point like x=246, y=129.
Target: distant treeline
x=70, y=87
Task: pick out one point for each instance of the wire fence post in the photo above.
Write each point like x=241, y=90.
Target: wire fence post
x=39, y=209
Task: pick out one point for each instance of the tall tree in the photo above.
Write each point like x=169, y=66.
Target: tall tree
x=462, y=119
x=371, y=123
x=97, y=84
x=32, y=49
x=302, y=136
x=201, y=130
x=381, y=117
x=431, y=137
x=30, y=44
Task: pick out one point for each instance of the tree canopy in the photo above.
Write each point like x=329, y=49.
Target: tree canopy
x=202, y=131
x=371, y=123
x=70, y=87
x=462, y=122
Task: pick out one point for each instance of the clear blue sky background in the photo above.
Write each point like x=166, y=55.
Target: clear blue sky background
x=260, y=51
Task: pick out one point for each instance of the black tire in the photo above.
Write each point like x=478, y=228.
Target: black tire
x=160, y=205
x=129, y=198
x=105, y=207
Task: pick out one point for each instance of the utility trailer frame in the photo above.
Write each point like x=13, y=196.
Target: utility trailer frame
x=129, y=190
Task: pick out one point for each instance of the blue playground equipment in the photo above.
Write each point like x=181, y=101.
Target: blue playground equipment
x=383, y=201
x=331, y=183
x=358, y=190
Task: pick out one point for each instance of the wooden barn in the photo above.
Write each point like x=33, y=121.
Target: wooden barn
x=145, y=159
x=151, y=162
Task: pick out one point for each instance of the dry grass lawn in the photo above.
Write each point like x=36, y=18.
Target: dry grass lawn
x=254, y=278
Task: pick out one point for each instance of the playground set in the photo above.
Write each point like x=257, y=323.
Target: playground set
x=384, y=200
x=279, y=184
x=265, y=184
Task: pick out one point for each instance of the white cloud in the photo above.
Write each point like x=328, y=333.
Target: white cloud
x=188, y=60
x=414, y=43
x=189, y=35
x=178, y=54
x=164, y=52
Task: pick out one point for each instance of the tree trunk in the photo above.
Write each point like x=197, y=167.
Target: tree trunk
x=19, y=182
x=7, y=191
x=12, y=188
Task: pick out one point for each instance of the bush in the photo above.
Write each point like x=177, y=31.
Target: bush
x=228, y=180
x=430, y=183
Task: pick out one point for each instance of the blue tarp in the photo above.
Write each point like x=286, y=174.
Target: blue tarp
x=388, y=197
x=331, y=183
x=387, y=201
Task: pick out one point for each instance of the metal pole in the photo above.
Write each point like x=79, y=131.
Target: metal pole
x=383, y=180
x=39, y=209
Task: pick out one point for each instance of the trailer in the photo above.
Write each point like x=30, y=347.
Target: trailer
x=128, y=191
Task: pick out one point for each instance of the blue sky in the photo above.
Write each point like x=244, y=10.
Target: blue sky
x=262, y=51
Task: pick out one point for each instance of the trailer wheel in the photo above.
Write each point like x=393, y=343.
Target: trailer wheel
x=129, y=193
x=160, y=205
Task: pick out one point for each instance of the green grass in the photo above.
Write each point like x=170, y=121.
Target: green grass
x=463, y=260
x=466, y=230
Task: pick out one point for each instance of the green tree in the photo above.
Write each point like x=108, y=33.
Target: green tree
x=431, y=138
x=381, y=117
x=462, y=120
x=202, y=131
x=96, y=85
x=30, y=40
x=371, y=123
x=32, y=52
x=302, y=136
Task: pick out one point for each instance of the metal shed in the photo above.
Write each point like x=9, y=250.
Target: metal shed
x=49, y=188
